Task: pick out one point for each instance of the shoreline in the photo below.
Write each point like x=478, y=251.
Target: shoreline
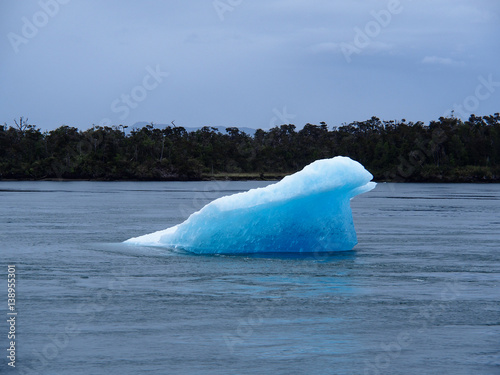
x=247, y=177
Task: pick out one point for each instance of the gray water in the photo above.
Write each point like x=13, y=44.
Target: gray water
x=418, y=295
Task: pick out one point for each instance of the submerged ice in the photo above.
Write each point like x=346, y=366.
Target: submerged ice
x=308, y=211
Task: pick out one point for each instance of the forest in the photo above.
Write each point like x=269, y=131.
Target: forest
x=445, y=150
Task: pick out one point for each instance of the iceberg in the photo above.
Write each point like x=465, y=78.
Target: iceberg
x=306, y=212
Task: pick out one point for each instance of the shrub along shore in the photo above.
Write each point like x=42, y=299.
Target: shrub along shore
x=445, y=150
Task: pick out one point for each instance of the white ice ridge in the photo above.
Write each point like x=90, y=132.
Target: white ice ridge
x=308, y=211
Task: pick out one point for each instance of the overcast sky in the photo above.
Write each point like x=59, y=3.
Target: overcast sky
x=246, y=63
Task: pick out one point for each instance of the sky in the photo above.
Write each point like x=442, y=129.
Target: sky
x=246, y=63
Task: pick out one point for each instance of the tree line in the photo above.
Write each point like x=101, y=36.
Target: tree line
x=447, y=150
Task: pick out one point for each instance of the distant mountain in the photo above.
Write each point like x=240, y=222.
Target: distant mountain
x=222, y=129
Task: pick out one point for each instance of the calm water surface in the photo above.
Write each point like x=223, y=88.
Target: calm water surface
x=419, y=294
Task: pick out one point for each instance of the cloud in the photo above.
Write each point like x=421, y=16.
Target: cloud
x=436, y=60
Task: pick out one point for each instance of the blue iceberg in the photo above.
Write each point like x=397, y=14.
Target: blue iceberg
x=306, y=212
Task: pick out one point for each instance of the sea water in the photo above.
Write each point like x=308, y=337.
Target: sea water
x=418, y=294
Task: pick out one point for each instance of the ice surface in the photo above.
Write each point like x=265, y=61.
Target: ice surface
x=308, y=211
